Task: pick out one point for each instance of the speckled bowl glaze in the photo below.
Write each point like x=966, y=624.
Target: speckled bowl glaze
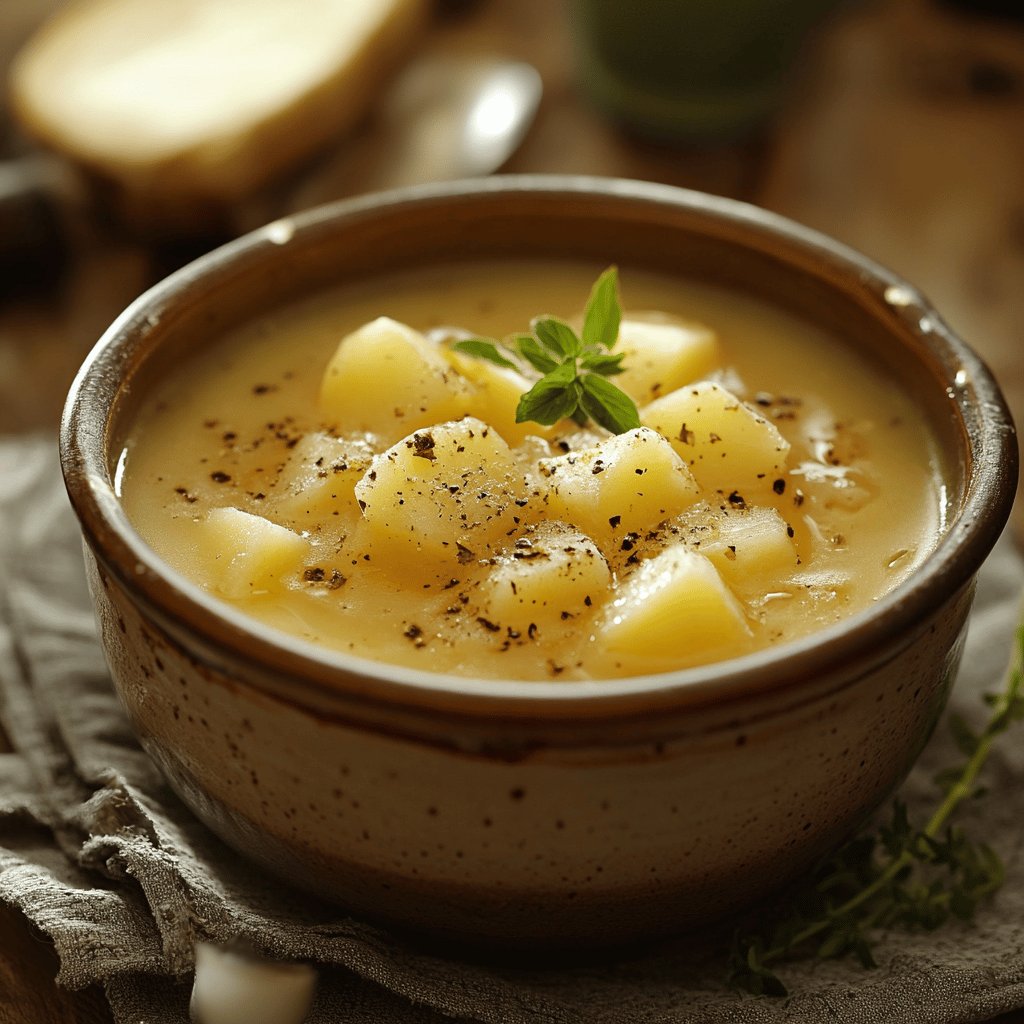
x=530, y=814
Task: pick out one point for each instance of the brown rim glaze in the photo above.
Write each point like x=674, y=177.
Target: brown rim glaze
x=609, y=219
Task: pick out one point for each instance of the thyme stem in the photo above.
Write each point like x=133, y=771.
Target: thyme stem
x=1006, y=706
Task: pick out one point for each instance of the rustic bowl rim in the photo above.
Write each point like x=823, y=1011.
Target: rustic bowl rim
x=331, y=678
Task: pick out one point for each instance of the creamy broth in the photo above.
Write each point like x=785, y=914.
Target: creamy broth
x=859, y=496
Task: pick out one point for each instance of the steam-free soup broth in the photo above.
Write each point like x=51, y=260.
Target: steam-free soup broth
x=338, y=471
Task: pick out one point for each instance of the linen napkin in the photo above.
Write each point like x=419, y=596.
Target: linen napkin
x=102, y=857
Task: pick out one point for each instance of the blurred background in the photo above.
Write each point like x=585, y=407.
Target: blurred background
x=137, y=134
x=895, y=125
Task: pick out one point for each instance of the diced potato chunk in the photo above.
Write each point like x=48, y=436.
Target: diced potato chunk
x=443, y=492
x=548, y=577
x=674, y=610
x=382, y=358
x=727, y=445
x=752, y=547
x=318, y=481
x=662, y=355
x=244, y=554
x=626, y=483
x=497, y=390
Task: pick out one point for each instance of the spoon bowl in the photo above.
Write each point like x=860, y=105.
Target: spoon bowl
x=443, y=118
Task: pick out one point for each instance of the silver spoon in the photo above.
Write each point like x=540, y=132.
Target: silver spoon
x=444, y=117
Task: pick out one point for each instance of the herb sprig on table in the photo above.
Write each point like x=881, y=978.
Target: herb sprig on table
x=575, y=370
x=900, y=877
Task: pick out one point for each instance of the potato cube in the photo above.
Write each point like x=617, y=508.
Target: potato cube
x=674, y=610
x=662, y=355
x=318, y=481
x=444, y=492
x=386, y=358
x=752, y=547
x=626, y=483
x=244, y=555
x=495, y=396
x=727, y=445
x=548, y=577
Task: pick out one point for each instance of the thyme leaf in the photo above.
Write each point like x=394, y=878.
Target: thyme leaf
x=603, y=314
x=556, y=336
x=484, y=348
x=574, y=369
x=552, y=398
x=900, y=877
x=533, y=352
x=606, y=404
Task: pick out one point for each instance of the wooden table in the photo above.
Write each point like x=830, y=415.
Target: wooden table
x=903, y=136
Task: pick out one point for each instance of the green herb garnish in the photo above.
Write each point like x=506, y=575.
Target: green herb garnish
x=901, y=877
x=574, y=371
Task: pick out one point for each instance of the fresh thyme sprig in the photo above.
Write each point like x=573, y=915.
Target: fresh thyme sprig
x=900, y=877
x=574, y=371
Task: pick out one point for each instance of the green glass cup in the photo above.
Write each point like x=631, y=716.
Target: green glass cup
x=691, y=70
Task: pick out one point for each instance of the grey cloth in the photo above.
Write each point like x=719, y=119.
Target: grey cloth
x=102, y=857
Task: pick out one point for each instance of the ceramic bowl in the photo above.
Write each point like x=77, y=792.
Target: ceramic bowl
x=519, y=813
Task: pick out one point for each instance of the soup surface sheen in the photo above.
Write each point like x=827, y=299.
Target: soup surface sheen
x=353, y=495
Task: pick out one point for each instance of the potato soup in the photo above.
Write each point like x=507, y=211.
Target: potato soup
x=338, y=471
